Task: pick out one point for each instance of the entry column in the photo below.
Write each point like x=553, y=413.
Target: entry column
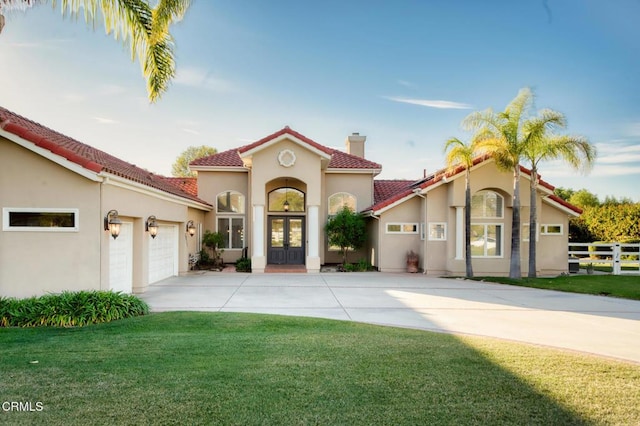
x=313, y=257
x=258, y=259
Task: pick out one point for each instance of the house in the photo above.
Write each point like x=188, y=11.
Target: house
x=55, y=195
x=270, y=199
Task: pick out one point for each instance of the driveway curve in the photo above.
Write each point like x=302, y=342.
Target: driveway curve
x=595, y=324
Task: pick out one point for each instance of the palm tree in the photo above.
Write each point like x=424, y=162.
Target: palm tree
x=503, y=136
x=145, y=27
x=543, y=145
x=461, y=154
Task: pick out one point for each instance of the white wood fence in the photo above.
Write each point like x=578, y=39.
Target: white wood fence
x=615, y=255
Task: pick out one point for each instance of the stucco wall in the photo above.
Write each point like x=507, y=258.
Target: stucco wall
x=394, y=247
x=38, y=262
x=210, y=185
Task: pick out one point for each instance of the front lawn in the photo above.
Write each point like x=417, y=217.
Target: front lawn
x=626, y=286
x=246, y=369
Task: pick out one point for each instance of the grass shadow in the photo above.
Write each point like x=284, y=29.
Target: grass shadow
x=204, y=368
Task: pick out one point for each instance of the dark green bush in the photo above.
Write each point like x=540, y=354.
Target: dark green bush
x=70, y=309
x=243, y=265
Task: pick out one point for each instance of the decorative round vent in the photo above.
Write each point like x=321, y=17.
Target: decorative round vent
x=286, y=158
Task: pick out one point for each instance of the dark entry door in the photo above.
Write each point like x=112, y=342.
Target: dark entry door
x=286, y=240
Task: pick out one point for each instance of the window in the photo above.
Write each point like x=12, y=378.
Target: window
x=39, y=219
x=487, y=205
x=402, y=228
x=230, y=202
x=486, y=240
x=293, y=196
x=437, y=231
x=341, y=199
x=551, y=229
x=232, y=228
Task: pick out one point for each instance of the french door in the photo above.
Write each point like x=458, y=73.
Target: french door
x=286, y=240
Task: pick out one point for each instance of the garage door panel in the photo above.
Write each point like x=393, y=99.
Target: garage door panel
x=163, y=253
x=121, y=260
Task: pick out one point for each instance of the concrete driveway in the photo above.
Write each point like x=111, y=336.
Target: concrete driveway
x=596, y=324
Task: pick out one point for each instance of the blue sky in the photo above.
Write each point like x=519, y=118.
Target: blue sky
x=403, y=73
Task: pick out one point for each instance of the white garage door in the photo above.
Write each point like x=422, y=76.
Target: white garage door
x=121, y=260
x=163, y=253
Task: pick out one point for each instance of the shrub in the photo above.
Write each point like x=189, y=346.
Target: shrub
x=70, y=309
x=243, y=265
x=361, y=266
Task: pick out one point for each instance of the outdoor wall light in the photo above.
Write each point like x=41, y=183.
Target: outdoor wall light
x=191, y=228
x=151, y=226
x=285, y=206
x=112, y=223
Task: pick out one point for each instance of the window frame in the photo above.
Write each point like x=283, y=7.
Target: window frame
x=402, y=225
x=6, y=223
x=544, y=229
x=355, y=202
x=444, y=225
x=229, y=230
x=485, y=255
x=232, y=191
x=293, y=190
x=484, y=192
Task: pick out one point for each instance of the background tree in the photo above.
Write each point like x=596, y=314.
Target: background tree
x=181, y=167
x=502, y=136
x=462, y=154
x=346, y=230
x=583, y=199
x=543, y=144
x=146, y=29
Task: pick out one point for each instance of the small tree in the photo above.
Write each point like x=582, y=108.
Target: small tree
x=181, y=167
x=215, y=242
x=346, y=230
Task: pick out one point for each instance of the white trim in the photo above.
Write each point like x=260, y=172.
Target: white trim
x=394, y=204
x=230, y=230
x=402, y=226
x=128, y=184
x=285, y=136
x=359, y=171
x=444, y=226
x=544, y=229
x=219, y=169
x=460, y=227
x=58, y=159
x=232, y=191
x=7, y=227
x=485, y=224
x=560, y=207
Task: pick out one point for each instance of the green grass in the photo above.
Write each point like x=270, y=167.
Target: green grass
x=625, y=286
x=248, y=369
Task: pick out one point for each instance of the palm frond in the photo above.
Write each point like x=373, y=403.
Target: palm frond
x=165, y=13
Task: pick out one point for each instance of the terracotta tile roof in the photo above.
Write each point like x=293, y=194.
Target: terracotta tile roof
x=387, y=192
x=339, y=159
x=84, y=155
x=229, y=158
x=187, y=184
x=385, y=189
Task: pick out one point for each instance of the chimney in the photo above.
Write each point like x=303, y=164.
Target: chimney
x=355, y=144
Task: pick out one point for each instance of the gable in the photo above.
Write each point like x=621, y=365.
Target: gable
x=80, y=157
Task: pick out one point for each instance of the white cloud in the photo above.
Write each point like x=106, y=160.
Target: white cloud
x=197, y=77
x=193, y=132
x=430, y=103
x=104, y=120
x=404, y=83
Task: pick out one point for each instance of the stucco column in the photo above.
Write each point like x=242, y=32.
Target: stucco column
x=313, y=257
x=258, y=259
x=459, y=233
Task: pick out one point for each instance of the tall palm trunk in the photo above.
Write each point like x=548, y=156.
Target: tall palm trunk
x=514, y=265
x=467, y=224
x=533, y=223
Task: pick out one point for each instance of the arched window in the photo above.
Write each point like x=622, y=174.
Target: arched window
x=230, y=202
x=342, y=199
x=487, y=205
x=294, y=199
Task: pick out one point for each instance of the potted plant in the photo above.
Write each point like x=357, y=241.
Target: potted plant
x=413, y=261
